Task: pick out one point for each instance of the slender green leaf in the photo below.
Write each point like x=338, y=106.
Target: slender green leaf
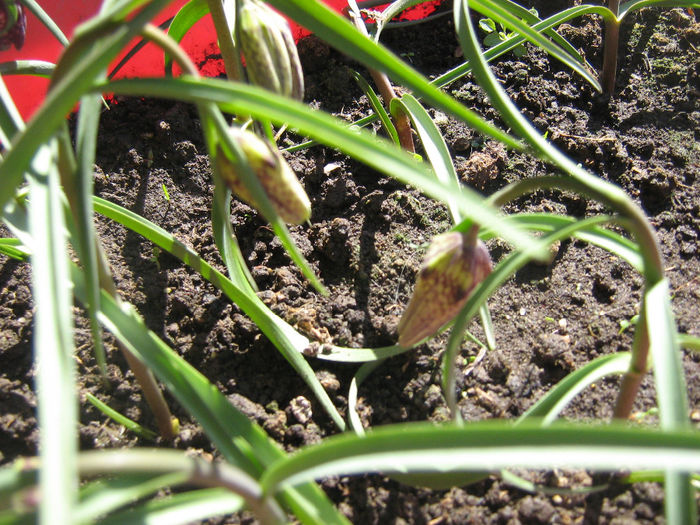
x=39, y=68
x=46, y=20
x=53, y=342
x=378, y=108
x=488, y=445
x=435, y=148
x=10, y=120
x=671, y=394
x=129, y=424
x=549, y=406
x=188, y=15
x=634, y=5
x=180, y=509
x=362, y=373
x=688, y=341
x=14, y=248
x=99, y=498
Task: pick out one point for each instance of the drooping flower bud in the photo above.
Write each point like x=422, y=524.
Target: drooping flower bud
x=13, y=24
x=278, y=180
x=271, y=56
x=452, y=268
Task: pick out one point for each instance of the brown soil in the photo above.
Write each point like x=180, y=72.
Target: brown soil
x=366, y=238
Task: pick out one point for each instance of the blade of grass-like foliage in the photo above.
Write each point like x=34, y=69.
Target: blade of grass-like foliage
x=10, y=120
x=604, y=238
x=378, y=153
x=184, y=508
x=127, y=423
x=634, y=5
x=287, y=340
x=690, y=342
x=241, y=442
x=487, y=323
x=549, y=406
x=378, y=108
x=362, y=373
x=341, y=34
x=225, y=240
x=94, y=45
x=46, y=20
x=497, y=11
x=77, y=180
x=39, y=68
x=13, y=248
x=99, y=498
x=358, y=355
x=483, y=446
x=672, y=396
x=435, y=148
x=503, y=271
x=188, y=15
x=53, y=342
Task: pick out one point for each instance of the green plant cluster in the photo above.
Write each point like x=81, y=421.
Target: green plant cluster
x=48, y=202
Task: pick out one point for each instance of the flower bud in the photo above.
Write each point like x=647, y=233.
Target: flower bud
x=13, y=24
x=271, y=56
x=278, y=180
x=452, y=268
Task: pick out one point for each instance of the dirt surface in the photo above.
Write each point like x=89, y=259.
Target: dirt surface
x=366, y=238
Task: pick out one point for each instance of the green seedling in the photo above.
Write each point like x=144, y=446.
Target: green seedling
x=497, y=33
x=626, y=323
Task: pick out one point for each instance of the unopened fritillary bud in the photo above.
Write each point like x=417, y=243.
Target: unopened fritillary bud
x=13, y=24
x=271, y=56
x=278, y=180
x=452, y=268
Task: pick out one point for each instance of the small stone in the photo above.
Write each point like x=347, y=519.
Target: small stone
x=300, y=408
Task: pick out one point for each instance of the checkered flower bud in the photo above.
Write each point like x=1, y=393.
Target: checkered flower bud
x=452, y=268
x=276, y=177
x=13, y=24
x=271, y=56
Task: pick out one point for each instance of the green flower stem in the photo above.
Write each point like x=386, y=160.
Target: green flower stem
x=227, y=44
x=639, y=363
x=610, y=45
x=597, y=188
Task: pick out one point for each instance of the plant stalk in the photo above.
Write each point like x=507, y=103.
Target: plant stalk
x=224, y=32
x=401, y=120
x=610, y=47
